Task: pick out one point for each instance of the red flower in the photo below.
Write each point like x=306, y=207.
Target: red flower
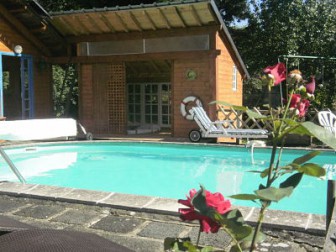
x=303, y=107
x=296, y=98
x=276, y=72
x=214, y=200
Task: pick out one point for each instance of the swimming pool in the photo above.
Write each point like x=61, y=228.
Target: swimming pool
x=161, y=169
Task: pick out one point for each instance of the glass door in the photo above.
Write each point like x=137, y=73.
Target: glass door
x=149, y=104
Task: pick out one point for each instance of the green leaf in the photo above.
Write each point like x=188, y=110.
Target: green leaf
x=199, y=202
x=234, y=248
x=306, y=157
x=320, y=133
x=234, y=215
x=177, y=244
x=312, y=170
x=274, y=194
x=255, y=115
x=207, y=249
x=245, y=196
x=293, y=180
x=264, y=173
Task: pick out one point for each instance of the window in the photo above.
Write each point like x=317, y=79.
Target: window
x=234, y=78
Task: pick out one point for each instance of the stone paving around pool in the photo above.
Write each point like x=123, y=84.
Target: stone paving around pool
x=141, y=223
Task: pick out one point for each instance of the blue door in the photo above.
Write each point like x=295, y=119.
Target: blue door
x=16, y=86
x=27, y=89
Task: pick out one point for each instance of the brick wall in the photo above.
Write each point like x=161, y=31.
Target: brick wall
x=224, y=76
x=202, y=87
x=85, y=106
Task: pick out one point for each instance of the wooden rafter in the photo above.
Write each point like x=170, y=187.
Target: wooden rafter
x=150, y=20
x=196, y=16
x=124, y=25
x=42, y=28
x=81, y=26
x=135, y=20
x=107, y=23
x=65, y=26
x=93, y=21
x=180, y=16
x=164, y=18
x=23, y=30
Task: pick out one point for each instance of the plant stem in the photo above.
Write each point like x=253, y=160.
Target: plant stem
x=258, y=227
x=198, y=237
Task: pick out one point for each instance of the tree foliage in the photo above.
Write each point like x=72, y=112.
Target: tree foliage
x=292, y=27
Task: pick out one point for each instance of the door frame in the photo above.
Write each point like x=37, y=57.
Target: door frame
x=27, y=80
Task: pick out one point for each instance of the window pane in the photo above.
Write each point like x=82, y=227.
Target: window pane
x=148, y=109
x=164, y=109
x=148, y=119
x=155, y=119
x=154, y=109
x=137, y=98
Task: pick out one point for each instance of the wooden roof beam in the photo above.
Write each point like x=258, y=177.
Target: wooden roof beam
x=196, y=16
x=82, y=27
x=23, y=30
x=20, y=9
x=65, y=26
x=124, y=25
x=108, y=24
x=40, y=29
x=150, y=20
x=180, y=16
x=135, y=20
x=165, y=19
x=93, y=21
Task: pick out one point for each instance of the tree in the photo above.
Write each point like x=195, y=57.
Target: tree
x=296, y=27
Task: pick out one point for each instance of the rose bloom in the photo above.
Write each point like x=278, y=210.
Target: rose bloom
x=296, y=98
x=214, y=200
x=303, y=107
x=276, y=72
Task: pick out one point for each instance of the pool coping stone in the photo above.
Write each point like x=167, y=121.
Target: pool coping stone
x=311, y=223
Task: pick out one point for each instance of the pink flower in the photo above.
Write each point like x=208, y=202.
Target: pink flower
x=276, y=72
x=214, y=200
x=296, y=98
x=303, y=107
x=310, y=87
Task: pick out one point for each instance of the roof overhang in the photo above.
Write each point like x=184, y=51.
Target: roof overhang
x=94, y=24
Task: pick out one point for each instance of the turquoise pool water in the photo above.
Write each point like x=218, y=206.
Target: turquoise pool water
x=164, y=170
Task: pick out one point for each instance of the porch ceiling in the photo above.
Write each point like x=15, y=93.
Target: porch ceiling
x=137, y=18
x=30, y=19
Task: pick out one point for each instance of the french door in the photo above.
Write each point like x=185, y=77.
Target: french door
x=149, y=103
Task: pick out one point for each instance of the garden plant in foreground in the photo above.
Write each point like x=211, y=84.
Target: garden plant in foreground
x=213, y=211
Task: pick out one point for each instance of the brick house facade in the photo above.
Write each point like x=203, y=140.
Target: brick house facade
x=136, y=64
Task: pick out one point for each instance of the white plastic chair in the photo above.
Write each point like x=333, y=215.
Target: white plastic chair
x=327, y=119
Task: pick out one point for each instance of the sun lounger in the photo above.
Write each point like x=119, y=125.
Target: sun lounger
x=327, y=119
x=209, y=129
x=41, y=129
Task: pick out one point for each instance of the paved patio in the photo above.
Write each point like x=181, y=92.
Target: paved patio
x=141, y=223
